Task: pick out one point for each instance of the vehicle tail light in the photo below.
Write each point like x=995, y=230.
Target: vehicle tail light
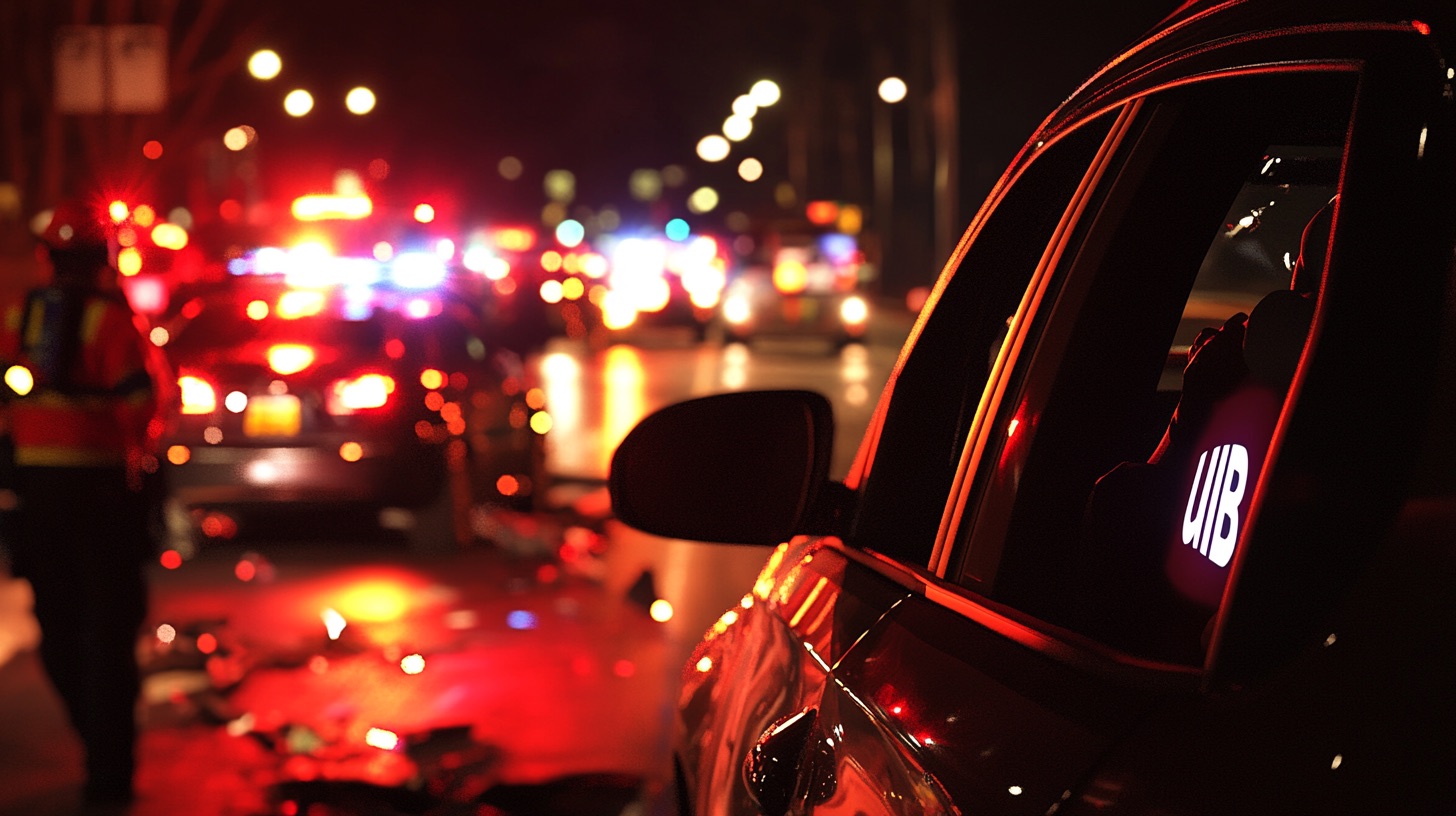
x=197, y=395
x=289, y=358
x=360, y=393
x=790, y=277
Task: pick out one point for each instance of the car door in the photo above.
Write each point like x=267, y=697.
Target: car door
x=1036, y=644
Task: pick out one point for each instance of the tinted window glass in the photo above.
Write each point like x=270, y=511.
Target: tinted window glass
x=1209, y=200
x=937, y=392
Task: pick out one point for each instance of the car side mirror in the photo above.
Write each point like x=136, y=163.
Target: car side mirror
x=748, y=467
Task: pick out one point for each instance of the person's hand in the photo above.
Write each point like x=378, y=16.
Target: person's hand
x=1215, y=364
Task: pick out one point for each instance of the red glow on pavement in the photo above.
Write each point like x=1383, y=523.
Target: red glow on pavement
x=171, y=559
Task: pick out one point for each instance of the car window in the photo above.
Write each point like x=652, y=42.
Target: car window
x=1089, y=512
x=936, y=392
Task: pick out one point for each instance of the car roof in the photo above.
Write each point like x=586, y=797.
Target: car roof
x=1194, y=25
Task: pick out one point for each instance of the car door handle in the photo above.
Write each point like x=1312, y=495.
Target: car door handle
x=788, y=752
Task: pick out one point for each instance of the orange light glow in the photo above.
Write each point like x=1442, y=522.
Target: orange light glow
x=821, y=213
x=290, y=358
x=256, y=309
x=1421, y=27
x=297, y=303
x=197, y=395
x=376, y=600
x=515, y=239
x=351, y=451
x=332, y=207
x=790, y=277
x=432, y=378
x=366, y=391
x=660, y=611
x=507, y=485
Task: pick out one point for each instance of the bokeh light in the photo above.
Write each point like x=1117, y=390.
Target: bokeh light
x=892, y=89
x=298, y=102
x=713, y=148
x=560, y=185
x=510, y=168
x=703, y=200
x=360, y=100
x=764, y=92
x=570, y=232
x=152, y=149
x=750, y=169
x=265, y=64
x=645, y=184
x=737, y=128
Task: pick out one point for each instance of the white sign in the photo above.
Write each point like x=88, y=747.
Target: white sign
x=111, y=69
x=1211, y=520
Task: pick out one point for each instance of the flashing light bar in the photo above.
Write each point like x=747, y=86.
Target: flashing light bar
x=332, y=207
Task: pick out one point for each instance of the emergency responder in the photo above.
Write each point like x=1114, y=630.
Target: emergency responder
x=80, y=409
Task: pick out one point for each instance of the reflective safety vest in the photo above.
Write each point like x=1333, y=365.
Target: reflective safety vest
x=76, y=379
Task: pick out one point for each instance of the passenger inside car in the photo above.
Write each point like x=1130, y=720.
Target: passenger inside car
x=1176, y=512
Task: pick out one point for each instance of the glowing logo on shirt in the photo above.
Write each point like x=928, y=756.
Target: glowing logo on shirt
x=1211, y=521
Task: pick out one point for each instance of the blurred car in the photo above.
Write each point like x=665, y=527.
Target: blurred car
x=665, y=282
x=811, y=287
x=1258, y=623
x=360, y=395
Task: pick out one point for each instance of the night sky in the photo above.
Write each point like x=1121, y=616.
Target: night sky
x=604, y=88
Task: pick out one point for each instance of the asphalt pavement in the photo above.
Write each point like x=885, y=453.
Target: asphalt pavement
x=549, y=694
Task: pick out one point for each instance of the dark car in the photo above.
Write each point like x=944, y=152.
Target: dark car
x=343, y=397
x=1157, y=514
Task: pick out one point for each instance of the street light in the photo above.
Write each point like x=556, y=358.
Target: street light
x=891, y=91
x=265, y=64
x=359, y=101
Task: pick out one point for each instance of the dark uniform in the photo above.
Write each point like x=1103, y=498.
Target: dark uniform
x=80, y=409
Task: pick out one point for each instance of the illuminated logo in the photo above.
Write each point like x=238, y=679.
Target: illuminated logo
x=1211, y=521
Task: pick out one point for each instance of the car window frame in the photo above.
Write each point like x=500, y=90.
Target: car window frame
x=961, y=521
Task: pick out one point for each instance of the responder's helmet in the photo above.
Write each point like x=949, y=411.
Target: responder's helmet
x=75, y=225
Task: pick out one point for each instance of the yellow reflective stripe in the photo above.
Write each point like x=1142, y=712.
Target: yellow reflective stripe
x=43, y=398
x=39, y=456
x=91, y=321
x=12, y=318
x=37, y=323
